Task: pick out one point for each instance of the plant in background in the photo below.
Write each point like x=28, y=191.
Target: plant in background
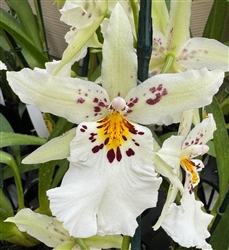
x=116, y=165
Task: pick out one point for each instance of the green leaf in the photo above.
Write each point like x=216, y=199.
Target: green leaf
x=5, y=125
x=9, y=139
x=63, y=167
x=5, y=207
x=25, y=14
x=216, y=20
x=220, y=239
x=15, y=29
x=46, y=172
x=221, y=145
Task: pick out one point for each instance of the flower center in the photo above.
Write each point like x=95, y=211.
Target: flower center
x=187, y=164
x=115, y=134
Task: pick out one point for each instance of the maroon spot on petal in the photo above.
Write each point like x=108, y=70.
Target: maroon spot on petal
x=111, y=155
x=82, y=130
x=97, y=109
x=159, y=88
x=97, y=148
x=95, y=100
x=106, y=141
x=92, y=136
x=152, y=90
x=130, y=105
x=101, y=104
x=135, y=100
x=130, y=152
x=86, y=94
x=83, y=13
x=84, y=126
x=118, y=154
x=80, y=100
x=124, y=138
x=141, y=133
x=89, y=16
x=164, y=92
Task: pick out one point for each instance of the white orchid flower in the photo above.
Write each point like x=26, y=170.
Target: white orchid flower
x=172, y=43
x=85, y=17
x=111, y=178
x=50, y=231
x=187, y=223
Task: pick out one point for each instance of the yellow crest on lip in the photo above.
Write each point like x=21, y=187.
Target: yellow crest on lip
x=191, y=167
x=112, y=132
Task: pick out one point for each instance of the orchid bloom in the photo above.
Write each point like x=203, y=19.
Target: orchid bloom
x=172, y=44
x=187, y=223
x=84, y=17
x=50, y=231
x=111, y=178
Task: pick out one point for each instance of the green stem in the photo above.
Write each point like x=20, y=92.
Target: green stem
x=82, y=244
x=41, y=25
x=168, y=63
x=9, y=160
x=125, y=242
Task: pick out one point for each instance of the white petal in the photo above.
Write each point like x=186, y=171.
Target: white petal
x=128, y=9
x=166, y=94
x=80, y=14
x=187, y=223
x=201, y=133
x=177, y=32
x=186, y=122
x=65, y=71
x=44, y=228
x=2, y=66
x=55, y=149
x=159, y=53
x=107, y=185
x=75, y=99
x=159, y=10
x=193, y=151
x=171, y=151
x=164, y=169
x=119, y=68
x=201, y=52
x=172, y=193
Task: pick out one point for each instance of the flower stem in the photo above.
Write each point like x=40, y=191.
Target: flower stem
x=168, y=63
x=9, y=160
x=125, y=242
x=82, y=244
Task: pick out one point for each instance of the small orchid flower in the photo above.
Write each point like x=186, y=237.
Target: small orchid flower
x=111, y=178
x=187, y=223
x=50, y=231
x=173, y=46
x=84, y=17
